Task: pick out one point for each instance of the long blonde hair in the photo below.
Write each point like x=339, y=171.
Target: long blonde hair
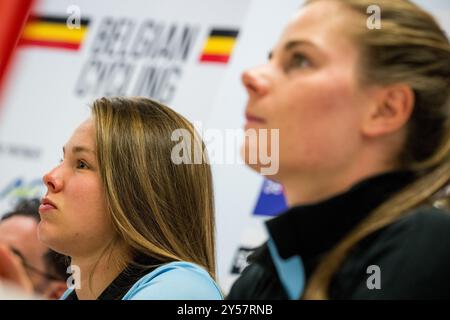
x=409, y=48
x=159, y=209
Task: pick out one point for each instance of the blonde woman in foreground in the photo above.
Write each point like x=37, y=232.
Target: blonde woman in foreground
x=134, y=224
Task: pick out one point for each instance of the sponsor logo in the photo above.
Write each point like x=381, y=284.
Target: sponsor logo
x=240, y=259
x=271, y=201
x=19, y=189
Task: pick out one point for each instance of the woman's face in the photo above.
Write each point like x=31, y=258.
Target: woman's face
x=74, y=219
x=309, y=91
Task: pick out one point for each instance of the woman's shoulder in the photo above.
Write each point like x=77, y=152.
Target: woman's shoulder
x=411, y=256
x=423, y=226
x=422, y=232
x=175, y=281
x=431, y=224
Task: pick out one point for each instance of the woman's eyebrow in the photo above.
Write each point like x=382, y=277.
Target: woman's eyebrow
x=294, y=43
x=80, y=149
x=291, y=45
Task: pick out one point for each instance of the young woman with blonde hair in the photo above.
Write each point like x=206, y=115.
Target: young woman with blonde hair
x=135, y=224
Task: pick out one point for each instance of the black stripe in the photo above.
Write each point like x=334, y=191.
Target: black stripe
x=224, y=33
x=58, y=19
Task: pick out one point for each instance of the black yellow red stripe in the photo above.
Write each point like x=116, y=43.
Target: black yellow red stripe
x=53, y=32
x=219, y=45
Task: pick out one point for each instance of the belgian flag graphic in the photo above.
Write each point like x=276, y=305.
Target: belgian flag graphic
x=219, y=45
x=53, y=32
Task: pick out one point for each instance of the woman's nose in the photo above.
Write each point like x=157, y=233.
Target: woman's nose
x=256, y=81
x=53, y=180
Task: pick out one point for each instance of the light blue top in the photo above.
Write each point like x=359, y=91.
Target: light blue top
x=173, y=281
x=290, y=271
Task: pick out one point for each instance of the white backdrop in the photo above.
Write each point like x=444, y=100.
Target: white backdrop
x=42, y=102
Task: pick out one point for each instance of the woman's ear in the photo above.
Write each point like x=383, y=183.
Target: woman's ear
x=390, y=112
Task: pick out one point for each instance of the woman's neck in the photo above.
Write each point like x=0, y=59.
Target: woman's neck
x=96, y=272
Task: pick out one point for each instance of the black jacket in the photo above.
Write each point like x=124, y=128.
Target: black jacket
x=413, y=254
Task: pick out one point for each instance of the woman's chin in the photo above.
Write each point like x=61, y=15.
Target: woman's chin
x=44, y=234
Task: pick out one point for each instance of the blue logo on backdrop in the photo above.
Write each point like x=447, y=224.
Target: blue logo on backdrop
x=18, y=189
x=271, y=201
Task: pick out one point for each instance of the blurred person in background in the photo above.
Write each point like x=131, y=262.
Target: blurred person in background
x=24, y=260
x=364, y=155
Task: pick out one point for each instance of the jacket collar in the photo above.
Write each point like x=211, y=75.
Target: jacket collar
x=311, y=230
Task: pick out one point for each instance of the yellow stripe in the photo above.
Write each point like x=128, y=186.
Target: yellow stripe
x=219, y=45
x=53, y=32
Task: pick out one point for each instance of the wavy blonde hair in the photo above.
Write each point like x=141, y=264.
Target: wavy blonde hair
x=409, y=48
x=158, y=208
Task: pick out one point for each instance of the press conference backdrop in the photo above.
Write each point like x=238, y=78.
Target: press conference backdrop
x=187, y=54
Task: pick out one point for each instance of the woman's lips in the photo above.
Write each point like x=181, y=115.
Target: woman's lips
x=253, y=121
x=46, y=207
x=251, y=118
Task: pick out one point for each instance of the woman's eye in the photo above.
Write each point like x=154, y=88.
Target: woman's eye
x=299, y=60
x=81, y=165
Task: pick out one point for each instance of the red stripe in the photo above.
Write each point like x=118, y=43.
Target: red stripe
x=220, y=58
x=13, y=15
x=50, y=44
